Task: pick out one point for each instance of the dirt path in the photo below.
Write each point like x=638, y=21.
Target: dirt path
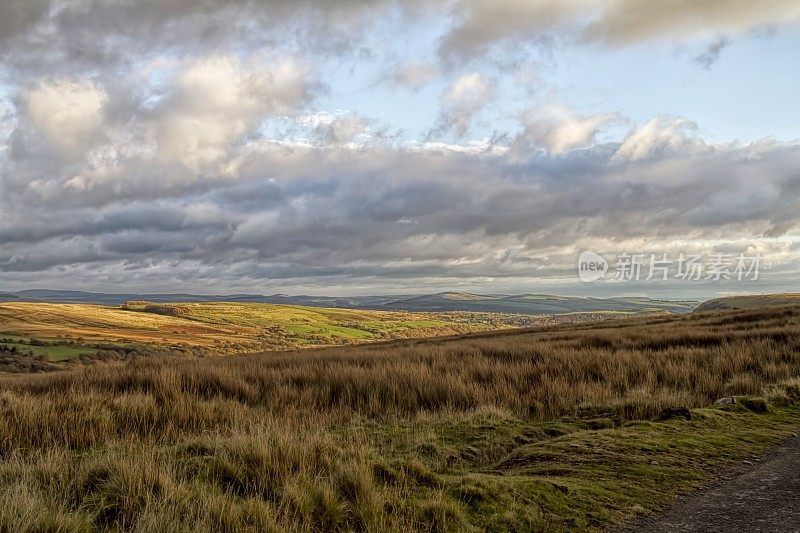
x=760, y=494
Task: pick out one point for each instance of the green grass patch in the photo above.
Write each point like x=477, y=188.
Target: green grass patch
x=56, y=350
x=487, y=472
x=53, y=353
x=507, y=474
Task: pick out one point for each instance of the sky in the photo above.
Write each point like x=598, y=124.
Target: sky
x=387, y=147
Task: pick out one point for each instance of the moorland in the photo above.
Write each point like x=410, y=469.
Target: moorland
x=561, y=427
x=57, y=333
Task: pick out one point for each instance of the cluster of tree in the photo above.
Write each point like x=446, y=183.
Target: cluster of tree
x=13, y=349
x=122, y=353
x=16, y=360
x=145, y=306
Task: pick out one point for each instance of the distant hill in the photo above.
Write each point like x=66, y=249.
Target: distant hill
x=533, y=304
x=748, y=302
x=101, y=298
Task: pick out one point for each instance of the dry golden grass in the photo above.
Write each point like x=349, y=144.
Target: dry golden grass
x=339, y=438
x=96, y=322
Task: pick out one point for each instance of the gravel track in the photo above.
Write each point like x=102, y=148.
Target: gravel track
x=759, y=494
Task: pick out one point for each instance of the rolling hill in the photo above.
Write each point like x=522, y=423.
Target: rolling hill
x=61, y=331
x=536, y=304
x=532, y=304
x=748, y=302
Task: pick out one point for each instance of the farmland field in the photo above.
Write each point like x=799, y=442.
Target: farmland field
x=568, y=427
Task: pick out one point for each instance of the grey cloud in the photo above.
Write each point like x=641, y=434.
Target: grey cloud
x=58, y=36
x=18, y=16
x=711, y=55
x=153, y=180
x=81, y=143
x=626, y=21
x=475, y=215
x=480, y=24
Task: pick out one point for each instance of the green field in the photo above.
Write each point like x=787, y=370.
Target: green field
x=54, y=353
x=503, y=473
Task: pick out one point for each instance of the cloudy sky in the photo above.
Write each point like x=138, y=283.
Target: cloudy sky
x=371, y=146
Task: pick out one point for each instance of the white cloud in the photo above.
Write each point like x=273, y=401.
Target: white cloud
x=462, y=100
x=219, y=99
x=415, y=74
x=339, y=128
x=116, y=140
x=69, y=113
x=659, y=137
x=557, y=130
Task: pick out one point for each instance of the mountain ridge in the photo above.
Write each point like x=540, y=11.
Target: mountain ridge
x=526, y=303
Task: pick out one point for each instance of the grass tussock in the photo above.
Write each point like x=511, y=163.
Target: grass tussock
x=498, y=431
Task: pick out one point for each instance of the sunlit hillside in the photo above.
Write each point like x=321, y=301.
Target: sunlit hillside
x=63, y=331
x=749, y=301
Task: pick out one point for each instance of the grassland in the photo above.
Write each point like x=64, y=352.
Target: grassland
x=63, y=331
x=561, y=428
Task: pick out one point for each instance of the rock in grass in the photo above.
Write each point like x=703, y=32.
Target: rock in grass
x=728, y=400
